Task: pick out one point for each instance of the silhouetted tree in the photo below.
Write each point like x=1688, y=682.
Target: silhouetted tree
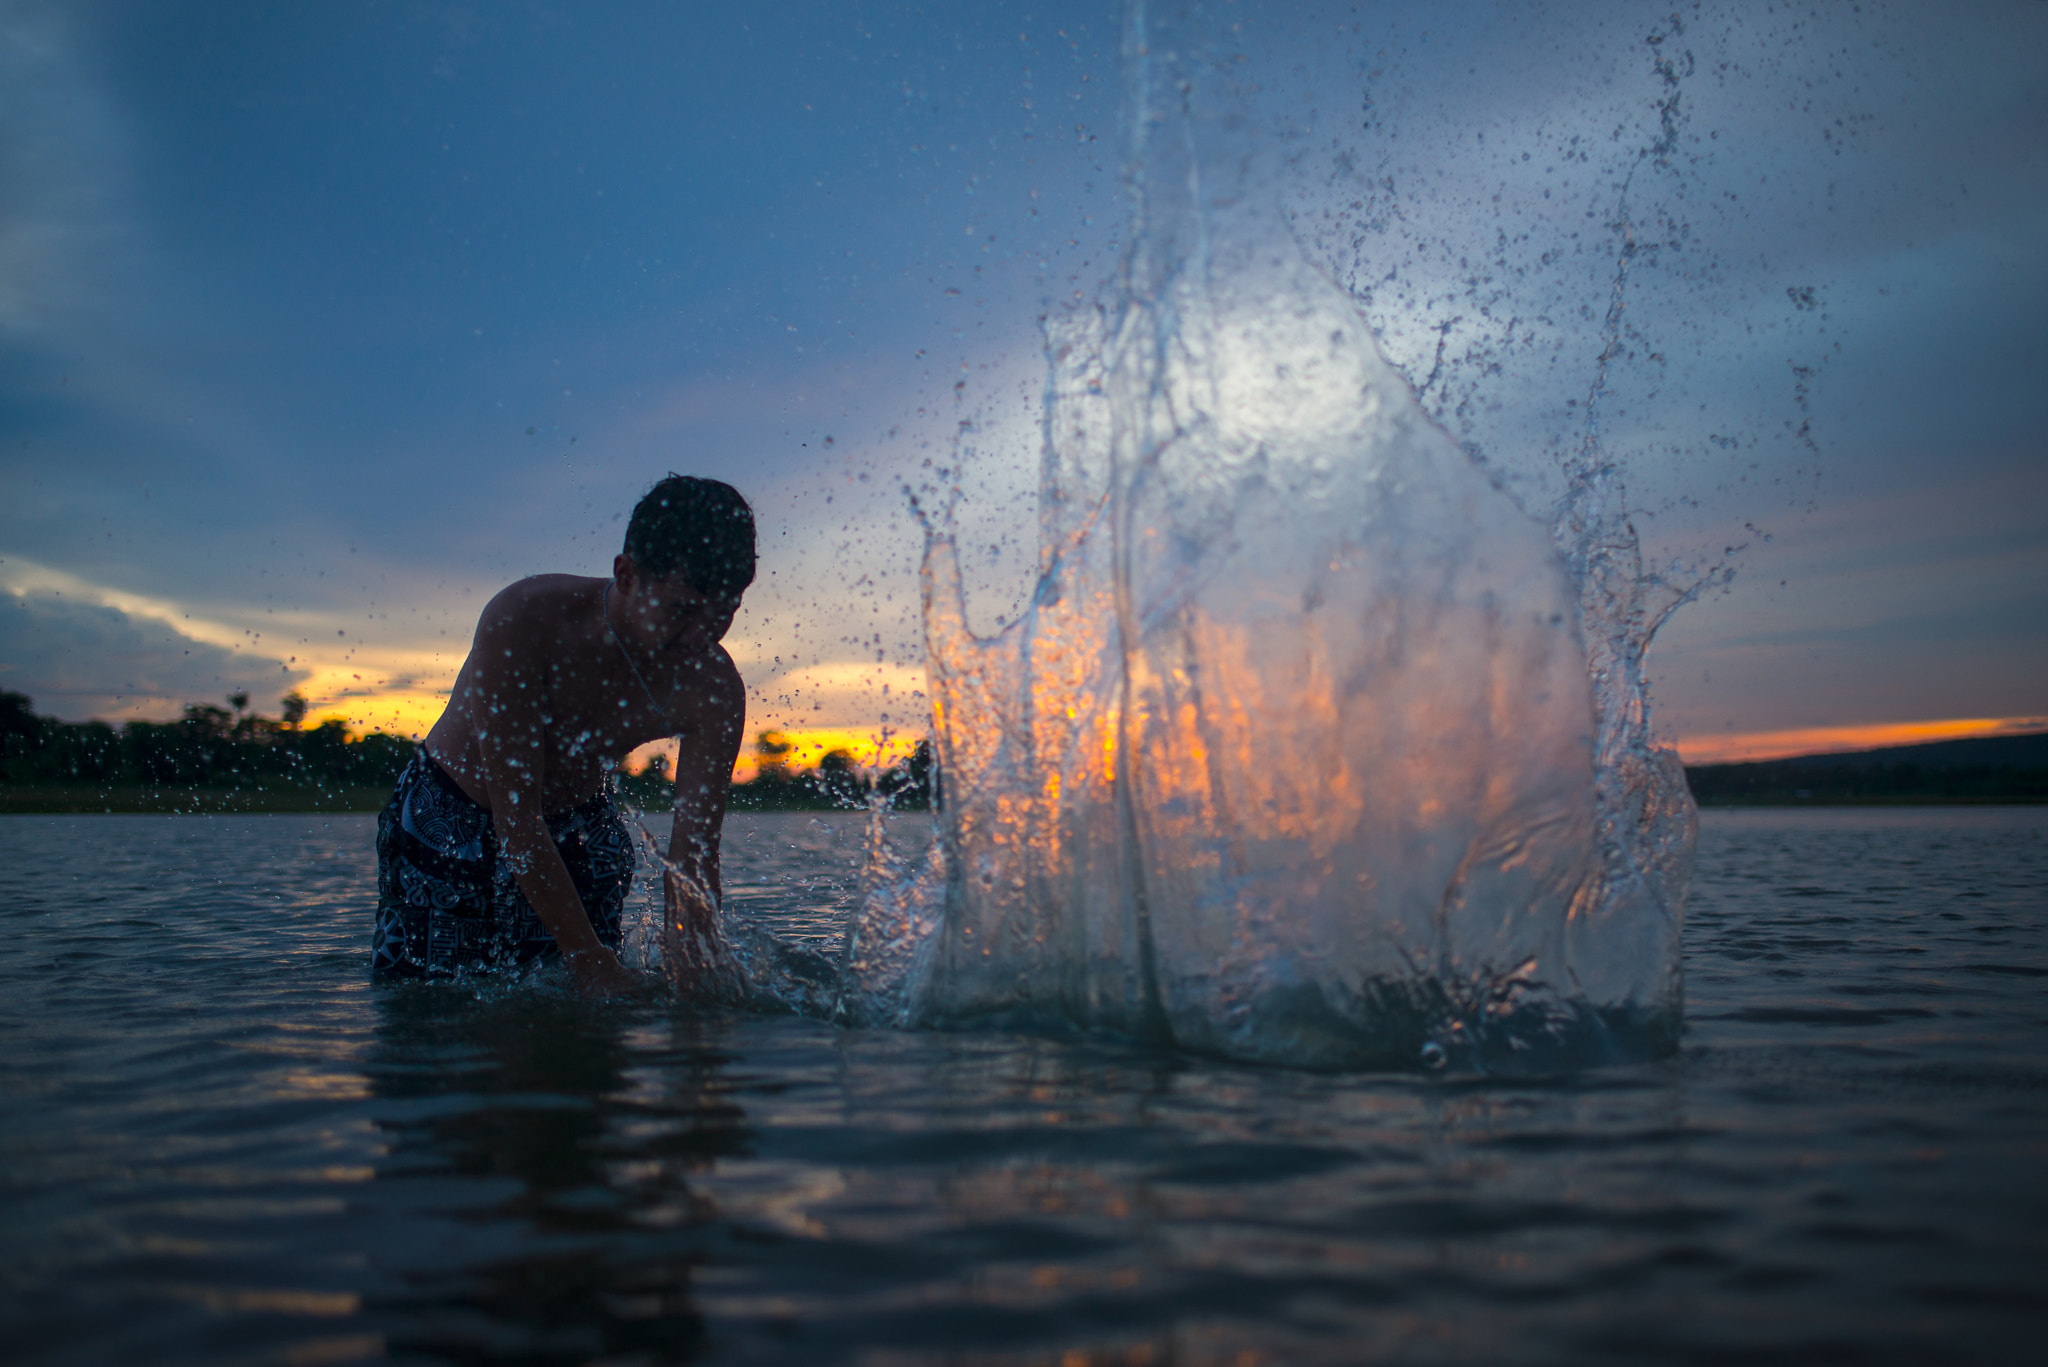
x=839, y=778
x=377, y=759
x=911, y=784
x=17, y=715
x=771, y=755
x=21, y=733
x=324, y=749
x=207, y=747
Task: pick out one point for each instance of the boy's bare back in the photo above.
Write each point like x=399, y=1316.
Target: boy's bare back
x=544, y=667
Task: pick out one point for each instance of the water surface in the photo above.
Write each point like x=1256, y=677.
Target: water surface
x=222, y=1144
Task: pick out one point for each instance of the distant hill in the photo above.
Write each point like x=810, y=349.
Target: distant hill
x=2012, y=752
x=1992, y=769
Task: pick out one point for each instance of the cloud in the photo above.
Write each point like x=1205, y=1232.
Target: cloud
x=1478, y=222
x=81, y=660
x=59, y=154
x=300, y=375
x=1927, y=602
x=843, y=694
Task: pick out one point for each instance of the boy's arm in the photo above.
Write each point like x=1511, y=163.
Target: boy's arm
x=510, y=736
x=693, y=887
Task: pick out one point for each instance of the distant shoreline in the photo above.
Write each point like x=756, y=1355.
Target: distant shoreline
x=2005, y=771
x=215, y=762
x=24, y=799
x=79, y=799
x=88, y=799
x=1781, y=803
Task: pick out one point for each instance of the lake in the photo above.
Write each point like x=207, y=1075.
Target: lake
x=223, y=1144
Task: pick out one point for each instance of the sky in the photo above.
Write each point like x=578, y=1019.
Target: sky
x=319, y=324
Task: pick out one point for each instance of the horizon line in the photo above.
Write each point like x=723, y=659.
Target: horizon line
x=1798, y=742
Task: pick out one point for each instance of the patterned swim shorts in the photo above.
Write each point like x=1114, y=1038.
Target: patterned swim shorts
x=446, y=904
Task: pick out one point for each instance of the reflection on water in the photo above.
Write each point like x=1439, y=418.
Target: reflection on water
x=561, y=1129
x=222, y=1144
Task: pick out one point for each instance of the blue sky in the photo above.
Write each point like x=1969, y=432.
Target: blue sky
x=318, y=324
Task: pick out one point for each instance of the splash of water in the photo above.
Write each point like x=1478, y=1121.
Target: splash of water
x=1312, y=747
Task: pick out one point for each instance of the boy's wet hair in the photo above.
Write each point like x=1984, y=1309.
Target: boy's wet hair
x=701, y=526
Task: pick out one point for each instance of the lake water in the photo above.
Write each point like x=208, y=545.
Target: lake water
x=222, y=1144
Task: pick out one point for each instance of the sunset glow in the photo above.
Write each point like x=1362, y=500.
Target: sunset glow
x=402, y=699
x=871, y=749
x=400, y=691
x=397, y=713
x=1822, y=740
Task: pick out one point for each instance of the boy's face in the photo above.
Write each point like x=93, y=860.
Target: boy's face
x=667, y=613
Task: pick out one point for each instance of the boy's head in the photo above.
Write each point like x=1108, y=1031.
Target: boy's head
x=700, y=526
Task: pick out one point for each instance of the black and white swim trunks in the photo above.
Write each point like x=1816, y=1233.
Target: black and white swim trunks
x=446, y=904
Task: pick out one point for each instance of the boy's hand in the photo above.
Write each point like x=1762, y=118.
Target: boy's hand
x=695, y=953
x=600, y=974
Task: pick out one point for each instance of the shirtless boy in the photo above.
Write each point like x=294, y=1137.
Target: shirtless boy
x=502, y=843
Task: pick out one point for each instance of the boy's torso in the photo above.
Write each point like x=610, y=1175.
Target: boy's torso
x=594, y=708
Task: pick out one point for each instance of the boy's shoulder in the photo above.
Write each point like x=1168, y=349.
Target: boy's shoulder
x=725, y=676
x=539, y=613
x=540, y=596
x=544, y=589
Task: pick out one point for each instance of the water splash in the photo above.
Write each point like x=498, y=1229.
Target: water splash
x=1311, y=747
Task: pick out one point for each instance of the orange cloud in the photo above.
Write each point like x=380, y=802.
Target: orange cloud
x=396, y=713
x=392, y=690
x=839, y=694
x=1823, y=740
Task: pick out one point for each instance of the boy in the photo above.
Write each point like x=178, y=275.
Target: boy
x=502, y=843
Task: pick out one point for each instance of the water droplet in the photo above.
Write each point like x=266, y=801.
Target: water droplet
x=1433, y=1055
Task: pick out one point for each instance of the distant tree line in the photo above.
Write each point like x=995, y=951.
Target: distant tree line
x=233, y=748
x=837, y=782
x=1808, y=781
x=208, y=747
